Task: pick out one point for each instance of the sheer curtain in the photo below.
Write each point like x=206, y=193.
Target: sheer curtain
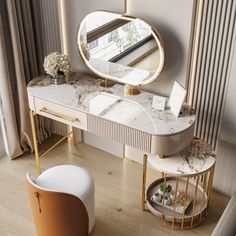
x=21, y=59
x=3, y=144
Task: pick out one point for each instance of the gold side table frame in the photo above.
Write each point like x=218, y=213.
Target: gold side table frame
x=194, y=188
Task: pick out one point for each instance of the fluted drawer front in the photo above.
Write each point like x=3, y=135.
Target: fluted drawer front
x=119, y=133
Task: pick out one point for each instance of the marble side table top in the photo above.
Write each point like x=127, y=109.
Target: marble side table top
x=194, y=160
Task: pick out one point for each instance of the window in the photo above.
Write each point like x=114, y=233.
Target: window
x=93, y=44
x=110, y=38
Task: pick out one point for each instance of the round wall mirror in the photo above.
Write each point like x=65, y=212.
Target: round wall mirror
x=120, y=48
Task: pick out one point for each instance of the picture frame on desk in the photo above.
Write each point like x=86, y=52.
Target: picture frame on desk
x=158, y=102
x=176, y=98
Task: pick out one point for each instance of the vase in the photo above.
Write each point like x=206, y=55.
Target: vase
x=156, y=197
x=172, y=195
x=58, y=79
x=167, y=200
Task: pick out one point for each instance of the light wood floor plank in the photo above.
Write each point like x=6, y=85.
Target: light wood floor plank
x=118, y=194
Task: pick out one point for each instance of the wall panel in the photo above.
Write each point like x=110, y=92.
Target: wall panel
x=213, y=57
x=212, y=86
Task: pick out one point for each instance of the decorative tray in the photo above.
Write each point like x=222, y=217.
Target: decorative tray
x=182, y=212
x=180, y=208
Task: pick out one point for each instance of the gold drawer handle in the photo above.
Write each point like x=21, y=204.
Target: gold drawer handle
x=45, y=110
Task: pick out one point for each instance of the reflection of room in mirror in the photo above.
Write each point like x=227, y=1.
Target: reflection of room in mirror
x=111, y=45
x=149, y=62
x=97, y=19
x=120, y=48
x=124, y=74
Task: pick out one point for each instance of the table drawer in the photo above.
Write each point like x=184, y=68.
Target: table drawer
x=61, y=113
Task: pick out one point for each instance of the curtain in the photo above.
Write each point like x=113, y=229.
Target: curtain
x=2, y=134
x=21, y=58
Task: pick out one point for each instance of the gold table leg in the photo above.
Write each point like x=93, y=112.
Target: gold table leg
x=36, y=150
x=194, y=202
x=72, y=138
x=144, y=181
x=175, y=202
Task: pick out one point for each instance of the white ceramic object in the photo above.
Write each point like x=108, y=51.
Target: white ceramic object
x=172, y=195
x=157, y=197
x=167, y=200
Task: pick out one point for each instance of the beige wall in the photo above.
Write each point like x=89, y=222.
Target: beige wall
x=225, y=174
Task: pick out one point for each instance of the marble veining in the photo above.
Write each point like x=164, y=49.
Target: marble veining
x=78, y=93
x=193, y=160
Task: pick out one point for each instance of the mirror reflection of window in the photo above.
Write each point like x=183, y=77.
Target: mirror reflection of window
x=97, y=19
x=110, y=46
x=110, y=38
x=93, y=44
x=120, y=48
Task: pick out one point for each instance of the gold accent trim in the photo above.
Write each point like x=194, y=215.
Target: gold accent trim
x=194, y=201
x=106, y=84
x=175, y=202
x=186, y=199
x=35, y=141
x=130, y=90
x=209, y=187
x=204, y=177
x=162, y=205
x=144, y=181
x=73, y=139
x=54, y=145
x=50, y=112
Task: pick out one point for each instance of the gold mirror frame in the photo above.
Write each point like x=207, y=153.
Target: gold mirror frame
x=83, y=48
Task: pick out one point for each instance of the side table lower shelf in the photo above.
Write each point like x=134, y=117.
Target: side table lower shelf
x=196, y=211
x=181, y=197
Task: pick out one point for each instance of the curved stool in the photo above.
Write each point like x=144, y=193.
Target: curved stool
x=72, y=180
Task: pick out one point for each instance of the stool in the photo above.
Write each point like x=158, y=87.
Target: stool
x=73, y=180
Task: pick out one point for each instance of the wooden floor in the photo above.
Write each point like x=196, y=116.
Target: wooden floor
x=118, y=187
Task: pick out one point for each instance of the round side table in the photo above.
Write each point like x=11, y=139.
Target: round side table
x=181, y=197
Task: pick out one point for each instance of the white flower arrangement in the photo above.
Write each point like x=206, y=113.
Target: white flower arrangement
x=56, y=63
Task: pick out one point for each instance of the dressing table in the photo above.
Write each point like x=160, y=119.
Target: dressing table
x=82, y=103
x=111, y=110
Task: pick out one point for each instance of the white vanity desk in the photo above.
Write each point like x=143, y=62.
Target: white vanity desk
x=106, y=112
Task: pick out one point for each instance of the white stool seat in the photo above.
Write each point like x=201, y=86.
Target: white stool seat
x=73, y=180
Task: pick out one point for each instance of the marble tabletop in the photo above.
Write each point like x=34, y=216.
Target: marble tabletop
x=83, y=93
x=194, y=160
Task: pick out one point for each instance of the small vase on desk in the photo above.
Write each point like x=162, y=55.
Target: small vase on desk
x=59, y=78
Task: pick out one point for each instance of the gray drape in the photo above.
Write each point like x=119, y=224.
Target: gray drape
x=21, y=58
